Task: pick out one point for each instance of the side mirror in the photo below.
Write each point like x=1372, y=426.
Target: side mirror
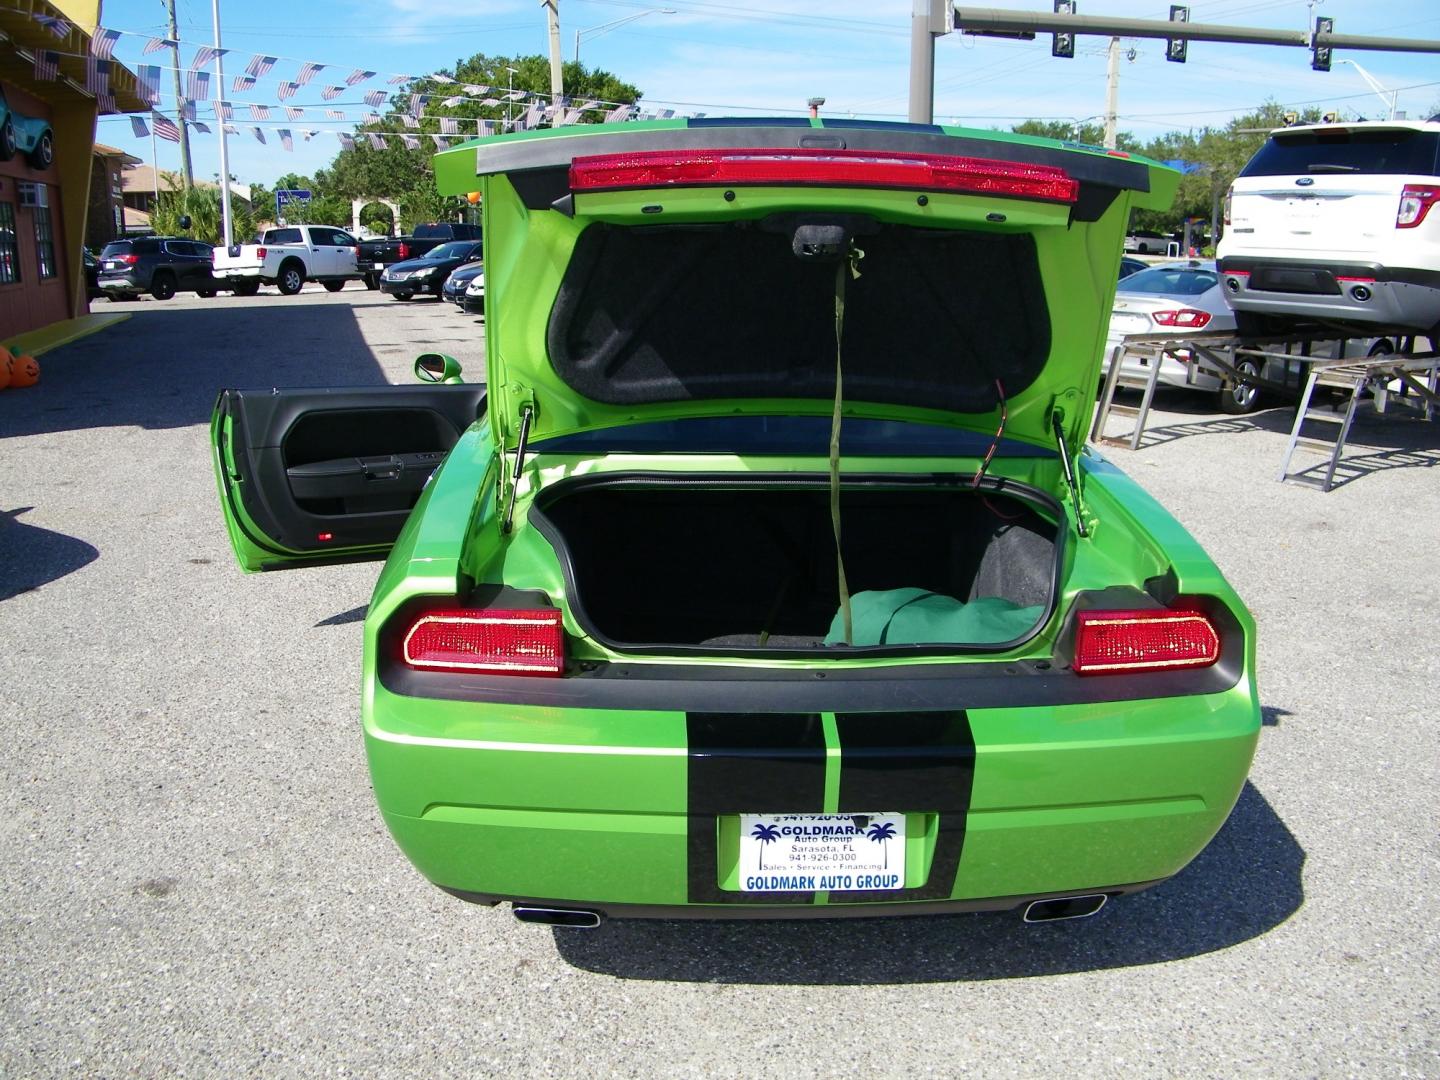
x=437, y=367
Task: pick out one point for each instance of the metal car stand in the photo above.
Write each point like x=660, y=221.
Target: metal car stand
x=1353, y=379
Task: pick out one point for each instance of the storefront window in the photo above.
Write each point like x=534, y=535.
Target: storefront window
x=44, y=233
x=9, y=245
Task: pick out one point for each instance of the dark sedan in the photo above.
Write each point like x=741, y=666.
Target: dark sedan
x=427, y=274
x=455, y=284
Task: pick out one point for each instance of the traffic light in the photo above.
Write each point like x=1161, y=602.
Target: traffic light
x=1320, y=44
x=1062, y=42
x=1175, y=47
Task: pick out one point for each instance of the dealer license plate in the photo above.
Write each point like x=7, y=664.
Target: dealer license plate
x=813, y=852
x=377, y=266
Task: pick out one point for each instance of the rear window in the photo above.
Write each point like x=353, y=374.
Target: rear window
x=432, y=232
x=1163, y=282
x=116, y=248
x=1387, y=152
x=283, y=236
x=679, y=313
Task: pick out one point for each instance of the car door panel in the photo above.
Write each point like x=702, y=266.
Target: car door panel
x=322, y=475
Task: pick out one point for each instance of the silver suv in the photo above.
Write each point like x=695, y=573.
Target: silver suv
x=1334, y=223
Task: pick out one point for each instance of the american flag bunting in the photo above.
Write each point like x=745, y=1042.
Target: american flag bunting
x=138, y=127
x=47, y=65
x=258, y=133
x=223, y=110
x=377, y=141
x=286, y=90
x=441, y=77
x=187, y=110
x=259, y=112
x=617, y=114
x=347, y=142
x=59, y=27
x=103, y=43
x=449, y=125
x=165, y=127
x=475, y=89
x=155, y=44
x=260, y=65
x=241, y=84
x=441, y=142
x=411, y=143
x=197, y=86
x=396, y=80
x=147, y=81
x=205, y=55
x=410, y=121
x=286, y=140
x=359, y=75
x=417, y=103
x=200, y=125
x=451, y=102
x=334, y=114
x=292, y=113
x=308, y=71
x=330, y=93
x=375, y=98
x=97, y=75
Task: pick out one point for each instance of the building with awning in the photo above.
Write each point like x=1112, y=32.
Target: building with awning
x=45, y=184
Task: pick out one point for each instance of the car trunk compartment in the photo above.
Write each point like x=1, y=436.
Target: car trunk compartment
x=726, y=565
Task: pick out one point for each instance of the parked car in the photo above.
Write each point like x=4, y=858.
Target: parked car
x=428, y=273
x=92, y=274
x=287, y=257
x=459, y=278
x=1334, y=223
x=1147, y=242
x=378, y=255
x=1130, y=266
x=473, y=302
x=28, y=135
x=158, y=265
x=614, y=664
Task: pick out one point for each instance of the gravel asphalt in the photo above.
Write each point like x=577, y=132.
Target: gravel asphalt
x=197, y=882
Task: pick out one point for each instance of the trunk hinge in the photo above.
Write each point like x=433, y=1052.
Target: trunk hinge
x=509, y=485
x=1067, y=465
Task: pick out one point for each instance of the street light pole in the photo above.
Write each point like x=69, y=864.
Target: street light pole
x=1390, y=97
x=226, y=219
x=605, y=28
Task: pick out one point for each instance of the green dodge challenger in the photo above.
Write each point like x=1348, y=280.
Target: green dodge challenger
x=768, y=575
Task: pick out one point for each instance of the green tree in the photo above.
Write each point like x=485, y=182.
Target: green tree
x=202, y=206
x=1067, y=131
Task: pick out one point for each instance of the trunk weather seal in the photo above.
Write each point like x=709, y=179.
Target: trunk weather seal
x=536, y=516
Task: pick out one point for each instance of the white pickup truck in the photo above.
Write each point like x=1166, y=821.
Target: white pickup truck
x=287, y=257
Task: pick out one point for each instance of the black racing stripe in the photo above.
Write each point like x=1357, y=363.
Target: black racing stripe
x=754, y=764
x=921, y=762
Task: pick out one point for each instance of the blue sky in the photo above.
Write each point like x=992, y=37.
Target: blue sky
x=766, y=57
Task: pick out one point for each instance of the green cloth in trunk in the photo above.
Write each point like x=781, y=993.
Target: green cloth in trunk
x=922, y=617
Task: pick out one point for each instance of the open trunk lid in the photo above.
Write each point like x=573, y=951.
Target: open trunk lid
x=658, y=271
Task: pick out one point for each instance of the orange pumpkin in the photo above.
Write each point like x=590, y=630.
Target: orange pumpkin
x=24, y=371
x=473, y=198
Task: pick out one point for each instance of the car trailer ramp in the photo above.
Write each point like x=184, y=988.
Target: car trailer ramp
x=1293, y=365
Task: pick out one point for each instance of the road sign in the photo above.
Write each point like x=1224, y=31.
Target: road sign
x=285, y=196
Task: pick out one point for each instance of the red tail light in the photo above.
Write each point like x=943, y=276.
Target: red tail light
x=1415, y=203
x=1186, y=317
x=1229, y=203
x=1111, y=642
x=831, y=168
x=403, y=251
x=130, y=260
x=260, y=253
x=492, y=642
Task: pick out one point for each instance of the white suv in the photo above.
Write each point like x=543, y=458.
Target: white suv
x=1335, y=223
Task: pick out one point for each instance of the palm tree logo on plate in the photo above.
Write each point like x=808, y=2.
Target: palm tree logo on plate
x=881, y=832
x=766, y=834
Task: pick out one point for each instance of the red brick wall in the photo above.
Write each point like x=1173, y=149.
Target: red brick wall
x=32, y=301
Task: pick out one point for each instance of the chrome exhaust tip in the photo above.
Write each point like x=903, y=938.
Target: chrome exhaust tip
x=549, y=916
x=1064, y=907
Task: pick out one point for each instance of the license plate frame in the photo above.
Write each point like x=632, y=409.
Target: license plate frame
x=822, y=852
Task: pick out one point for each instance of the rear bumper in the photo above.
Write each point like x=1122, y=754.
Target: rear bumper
x=238, y=273
x=1328, y=290
x=632, y=812
x=122, y=283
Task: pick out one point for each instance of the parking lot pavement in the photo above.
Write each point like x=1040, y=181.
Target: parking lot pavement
x=197, y=880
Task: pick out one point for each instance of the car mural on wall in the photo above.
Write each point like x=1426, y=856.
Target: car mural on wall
x=28, y=135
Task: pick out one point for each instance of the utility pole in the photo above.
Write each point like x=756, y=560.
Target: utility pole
x=186, y=174
x=1112, y=92
x=929, y=19
x=226, y=221
x=557, y=85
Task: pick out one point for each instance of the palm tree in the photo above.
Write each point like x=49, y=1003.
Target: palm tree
x=881, y=832
x=765, y=834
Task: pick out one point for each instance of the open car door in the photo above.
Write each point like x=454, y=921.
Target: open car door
x=330, y=475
